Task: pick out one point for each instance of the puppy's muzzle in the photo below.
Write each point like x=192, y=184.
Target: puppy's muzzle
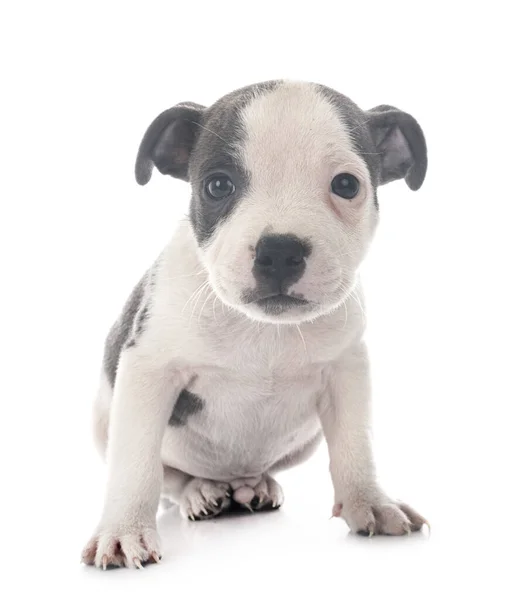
x=279, y=262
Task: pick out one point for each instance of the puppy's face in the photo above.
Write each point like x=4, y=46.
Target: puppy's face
x=284, y=179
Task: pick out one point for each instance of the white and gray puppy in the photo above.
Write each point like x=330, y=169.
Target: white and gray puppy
x=242, y=345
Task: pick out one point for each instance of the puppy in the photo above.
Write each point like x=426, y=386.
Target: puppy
x=242, y=346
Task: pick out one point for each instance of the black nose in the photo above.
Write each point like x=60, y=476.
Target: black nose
x=280, y=258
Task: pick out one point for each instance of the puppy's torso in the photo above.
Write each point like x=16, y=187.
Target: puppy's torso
x=244, y=340
x=244, y=424
x=250, y=403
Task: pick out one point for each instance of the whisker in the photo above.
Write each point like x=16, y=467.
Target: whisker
x=353, y=294
x=359, y=125
x=344, y=303
x=187, y=275
x=192, y=296
x=197, y=302
x=213, y=308
x=204, y=304
x=206, y=128
x=303, y=341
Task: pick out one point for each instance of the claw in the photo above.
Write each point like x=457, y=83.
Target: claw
x=204, y=511
x=257, y=502
x=155, y=557
x=248, y=507
x=137, y=563
x=428, y=525
x=371, y=530
x=104, y=562
x=191, y=516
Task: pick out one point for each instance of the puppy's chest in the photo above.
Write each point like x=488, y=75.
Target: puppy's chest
x=259, y=400
x=231, y=424
x=273, y=355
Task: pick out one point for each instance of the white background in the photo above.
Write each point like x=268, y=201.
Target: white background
x=82, y=80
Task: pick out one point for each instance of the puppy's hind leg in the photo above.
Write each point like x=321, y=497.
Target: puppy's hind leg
x=196, y=497
x=101, y=414
x=268, y=494
x=261, y=493
x=174, y=483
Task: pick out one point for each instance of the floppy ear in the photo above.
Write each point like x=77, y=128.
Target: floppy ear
x=401, y=145
x=168, y=142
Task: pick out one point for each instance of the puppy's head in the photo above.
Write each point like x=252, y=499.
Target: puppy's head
x=284, y=182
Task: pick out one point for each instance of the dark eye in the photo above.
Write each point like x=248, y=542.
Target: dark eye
x=219, y=187
x=345, y=185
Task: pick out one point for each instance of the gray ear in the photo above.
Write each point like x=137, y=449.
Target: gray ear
x=168, y=142
x=401, y=145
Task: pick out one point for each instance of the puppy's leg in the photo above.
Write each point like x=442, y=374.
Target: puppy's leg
x=268, y=494
x=345, y=416
x=200, y=499
x=142, y=402
x=257, y=493
x=174, y=483
x=101, y=415
x=196, y=497
x=204, y=498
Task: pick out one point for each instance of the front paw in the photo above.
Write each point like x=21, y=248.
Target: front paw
x=122, y=546
x=371, y=516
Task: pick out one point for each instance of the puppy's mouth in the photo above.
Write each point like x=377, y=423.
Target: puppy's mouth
x=276, y=304
x=281, y=300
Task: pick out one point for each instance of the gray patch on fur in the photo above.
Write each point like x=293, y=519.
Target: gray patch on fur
x=126, y=329
x=356, y=120
x=389, y=140
x=401, y=145
x=140, y=322
x=216, y=151
x=186, y=405
x=192, y=142
x=168, y=142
